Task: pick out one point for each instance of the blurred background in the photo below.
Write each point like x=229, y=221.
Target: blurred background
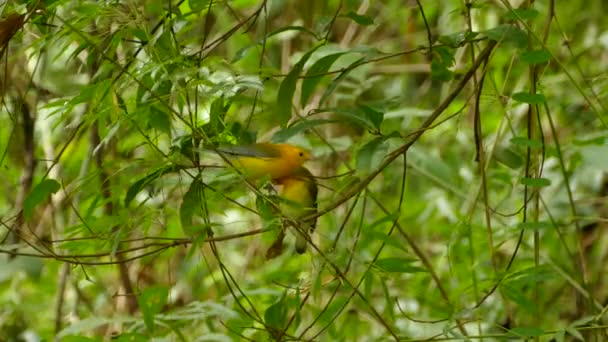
x=459, y=150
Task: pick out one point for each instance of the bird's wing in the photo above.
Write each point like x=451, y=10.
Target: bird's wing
x=255, y=150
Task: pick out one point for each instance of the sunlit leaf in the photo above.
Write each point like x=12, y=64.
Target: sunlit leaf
x=191, y=204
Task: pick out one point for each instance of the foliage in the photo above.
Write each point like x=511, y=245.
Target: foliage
x=460, y=150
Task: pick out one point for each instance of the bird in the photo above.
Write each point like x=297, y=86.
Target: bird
x=299, y=199
x=265, y=159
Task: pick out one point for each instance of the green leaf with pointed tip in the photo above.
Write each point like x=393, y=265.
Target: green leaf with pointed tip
x=288, y=87
x=315, y=74
x=276, y=314
x=362, y=115
x=136, y=187
x=191, y=204
x=336, y=81
x=509, y=158
x=366, y=154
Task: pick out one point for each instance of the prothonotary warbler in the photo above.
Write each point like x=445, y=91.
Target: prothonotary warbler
x=258, y=160
x=299, y=199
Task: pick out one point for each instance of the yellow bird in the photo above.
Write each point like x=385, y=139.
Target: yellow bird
x=299, y=199
x=258, y=160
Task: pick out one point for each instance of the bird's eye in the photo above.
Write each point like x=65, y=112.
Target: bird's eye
x=301, y=154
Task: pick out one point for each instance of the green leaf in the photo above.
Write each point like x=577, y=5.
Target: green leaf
x=560, y=336
x=217, y=114
x=165, y=46
x=191, y=204
x=440, y=72
x=535, y=225
x=291, y=28
x=443, y=59
x=318, y=68
x=599, y=141
x=336, y=81
x=374, y=116
x=530, y=275
x=362, y=115
x=159, y=120
x=145, y=181
x=508, y=34
x=368, y=284
x=386, y=239
x=529, y=98
x=276, y=315
x=288, y=87
x=39, y=193
x=302, y=125
x=329, y=314
x=509, y=158
x=521, y=14
x=265, y=210
x=457, y=39
x=517, y=295
x=535, y=56
x=388, y=218
x=398, y=265
x=151, y=302
x=366, y=154
x=85, y=326
x=535, y=182
x=525, y=142
x=362, y=20
x=575, y=333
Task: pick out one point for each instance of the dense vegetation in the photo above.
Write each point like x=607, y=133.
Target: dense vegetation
x=460, y=151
